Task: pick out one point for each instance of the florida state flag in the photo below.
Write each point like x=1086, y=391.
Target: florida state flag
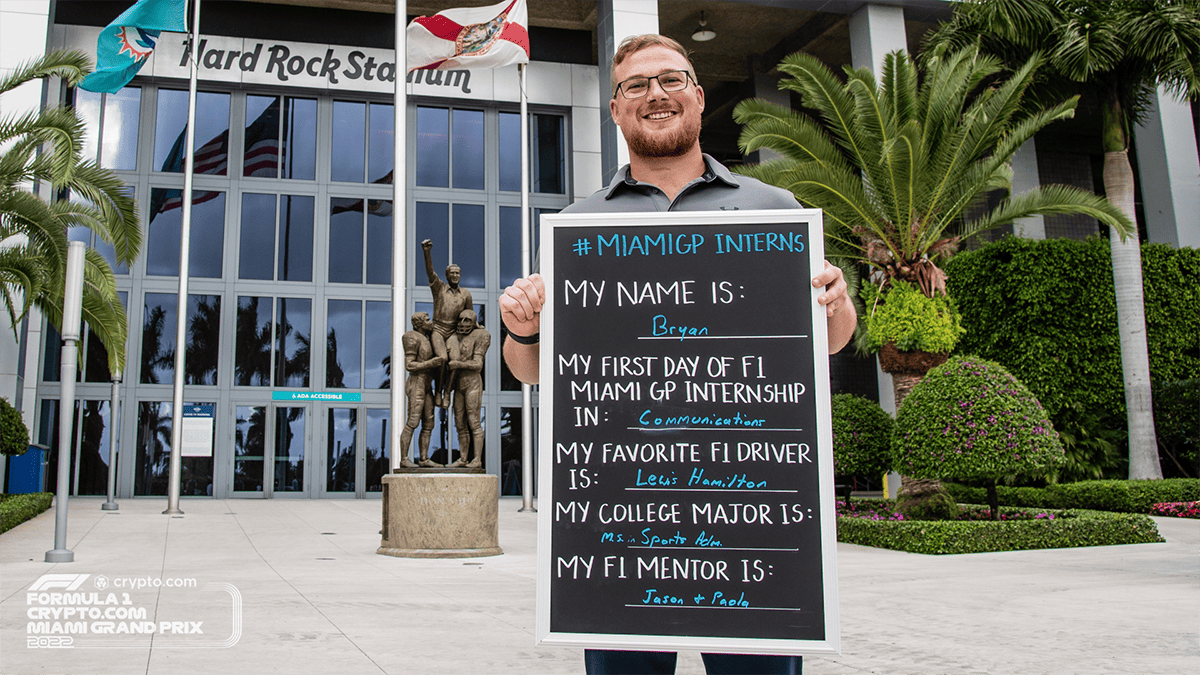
x=470, y=37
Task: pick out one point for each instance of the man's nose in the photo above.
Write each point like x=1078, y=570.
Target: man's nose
x=655, y=90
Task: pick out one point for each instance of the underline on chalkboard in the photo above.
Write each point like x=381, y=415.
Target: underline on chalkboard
x=713, y=548
x=708, y=489
x=706, y=429
x=723, y=337
x=761, y=609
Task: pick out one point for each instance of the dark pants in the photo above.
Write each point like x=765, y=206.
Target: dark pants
x=606, y=662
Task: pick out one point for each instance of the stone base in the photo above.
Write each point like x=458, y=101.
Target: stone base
x=438, y=469
x=440, y=515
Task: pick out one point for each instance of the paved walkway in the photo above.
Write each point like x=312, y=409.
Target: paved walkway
x=315, y=598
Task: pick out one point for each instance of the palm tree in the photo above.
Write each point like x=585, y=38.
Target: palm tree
x=901, y=168
x=1122, y=51
x=44, y=148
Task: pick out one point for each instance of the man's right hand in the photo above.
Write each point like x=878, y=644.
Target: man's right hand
x=427, y=244
x=521, y=305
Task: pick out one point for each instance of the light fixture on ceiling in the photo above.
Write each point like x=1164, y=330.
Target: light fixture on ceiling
x=703, y=33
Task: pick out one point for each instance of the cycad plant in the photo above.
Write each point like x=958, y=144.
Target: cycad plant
x=902, y=167
x=44, y=148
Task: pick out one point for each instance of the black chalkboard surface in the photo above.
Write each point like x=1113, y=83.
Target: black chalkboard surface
x=686, y=481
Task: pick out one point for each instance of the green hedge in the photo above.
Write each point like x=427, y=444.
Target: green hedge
x=1046, y=311
x=1070, y=528
x=16, y=509
x=1123, y=496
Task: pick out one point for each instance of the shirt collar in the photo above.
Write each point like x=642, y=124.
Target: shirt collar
x=713, y=170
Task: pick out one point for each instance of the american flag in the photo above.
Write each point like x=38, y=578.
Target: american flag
x=210, y=158
x=263, y=149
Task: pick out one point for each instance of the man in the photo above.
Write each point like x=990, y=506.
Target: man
x=448, y=302
x=467, y=348
x=657, y=104
x=420, y=363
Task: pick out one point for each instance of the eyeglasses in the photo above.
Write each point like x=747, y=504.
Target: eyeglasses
x=672, y=80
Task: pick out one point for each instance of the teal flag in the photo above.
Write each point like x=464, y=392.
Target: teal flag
x=125, y=44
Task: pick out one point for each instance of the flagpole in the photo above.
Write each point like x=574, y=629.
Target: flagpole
x=526, y=270
x=399, y=411
x=185, y=232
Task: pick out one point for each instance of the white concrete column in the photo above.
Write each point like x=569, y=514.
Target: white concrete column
x=1169, y=172
x=615, y=21
x=1025, y=178
x=876, y=30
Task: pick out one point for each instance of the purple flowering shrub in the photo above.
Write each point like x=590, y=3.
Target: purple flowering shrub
x=970, y=419
x=870, y=509
x=1171, y=509
x=862, y=436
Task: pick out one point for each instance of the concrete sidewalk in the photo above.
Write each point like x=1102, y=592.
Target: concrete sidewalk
x=315, y=598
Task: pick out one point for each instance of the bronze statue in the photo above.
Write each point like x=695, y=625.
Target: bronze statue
x=448, y=302
x=421, y=363
x=467, y=347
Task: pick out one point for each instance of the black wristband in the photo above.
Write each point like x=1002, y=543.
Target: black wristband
x=525, y=339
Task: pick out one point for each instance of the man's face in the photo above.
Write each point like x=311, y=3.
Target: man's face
x=453, y=274
x=420, y=321
x=659, y=124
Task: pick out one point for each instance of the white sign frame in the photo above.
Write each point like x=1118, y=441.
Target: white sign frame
x=811, y=219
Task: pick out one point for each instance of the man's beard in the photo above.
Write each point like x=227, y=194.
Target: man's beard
x=657, y=146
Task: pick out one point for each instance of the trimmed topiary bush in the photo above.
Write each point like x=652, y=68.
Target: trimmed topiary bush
x=1019, y=531
x=908, y=318
x=16, y=509
x=862, y=436
x=14, y=435
x=1123, y=496
x=970, y=419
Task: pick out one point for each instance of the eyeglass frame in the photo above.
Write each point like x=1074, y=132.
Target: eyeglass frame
x=687, y=77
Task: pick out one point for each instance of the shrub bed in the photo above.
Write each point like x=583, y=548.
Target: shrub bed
x=16, y=509
x=1122, y=496
x=1177, y=510
x=868, y=524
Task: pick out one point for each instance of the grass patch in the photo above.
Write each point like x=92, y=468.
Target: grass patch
x=16, y=509
x=1123, y=496
x=874, y=523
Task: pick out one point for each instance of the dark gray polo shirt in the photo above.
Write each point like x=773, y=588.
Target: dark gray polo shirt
x=716, y=190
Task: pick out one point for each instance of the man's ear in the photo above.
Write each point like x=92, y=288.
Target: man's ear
x=612, y=110
x=700, y=93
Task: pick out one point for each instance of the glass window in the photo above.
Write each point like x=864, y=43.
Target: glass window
x=381, y=144
x=258, y=235
x=289, y=449
x=509, y=146
x=207, y=237
x=252, y=358
x=379, y=241
x=293, y=334
x=548, y=156
x=92, y=239
x=433, y=147
x=296, y=237
x=343, y=344
x=433, y=223
x=468, y=149
x=345, y=240
x=379, y=458
x=468, y=243
x=154, y=451
x=510, y=244
x=349, y=139
x=158, y=338
x=249, y=448
x=265, y=155
x=340, y=456
x=91, y=457
x=96, y=369
x=212, y=132
x=110, y=126
x=52, y=354
x=203, y=339
x=378, y=345
x=547, y=153
x=510, y=452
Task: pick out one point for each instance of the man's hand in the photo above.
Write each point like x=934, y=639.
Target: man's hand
x=838, y=307
x=427, y=244
x=521, y=305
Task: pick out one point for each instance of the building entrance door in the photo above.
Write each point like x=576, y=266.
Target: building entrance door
x=271, y=457
x=355, y=449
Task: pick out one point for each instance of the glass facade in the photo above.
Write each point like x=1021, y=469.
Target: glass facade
x=291, y=240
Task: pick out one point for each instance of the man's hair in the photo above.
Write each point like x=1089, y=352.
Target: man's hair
x=453, y=266
x=636, y=43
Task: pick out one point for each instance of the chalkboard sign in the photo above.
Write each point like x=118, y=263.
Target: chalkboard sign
x=686, y=461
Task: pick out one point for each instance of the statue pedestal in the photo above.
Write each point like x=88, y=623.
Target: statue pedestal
x=440, y=515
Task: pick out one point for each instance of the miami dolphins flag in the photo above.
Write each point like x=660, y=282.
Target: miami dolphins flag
x=125, y=43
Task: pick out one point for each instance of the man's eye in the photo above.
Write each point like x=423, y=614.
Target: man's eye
x=636, y=86
x=671, y=80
